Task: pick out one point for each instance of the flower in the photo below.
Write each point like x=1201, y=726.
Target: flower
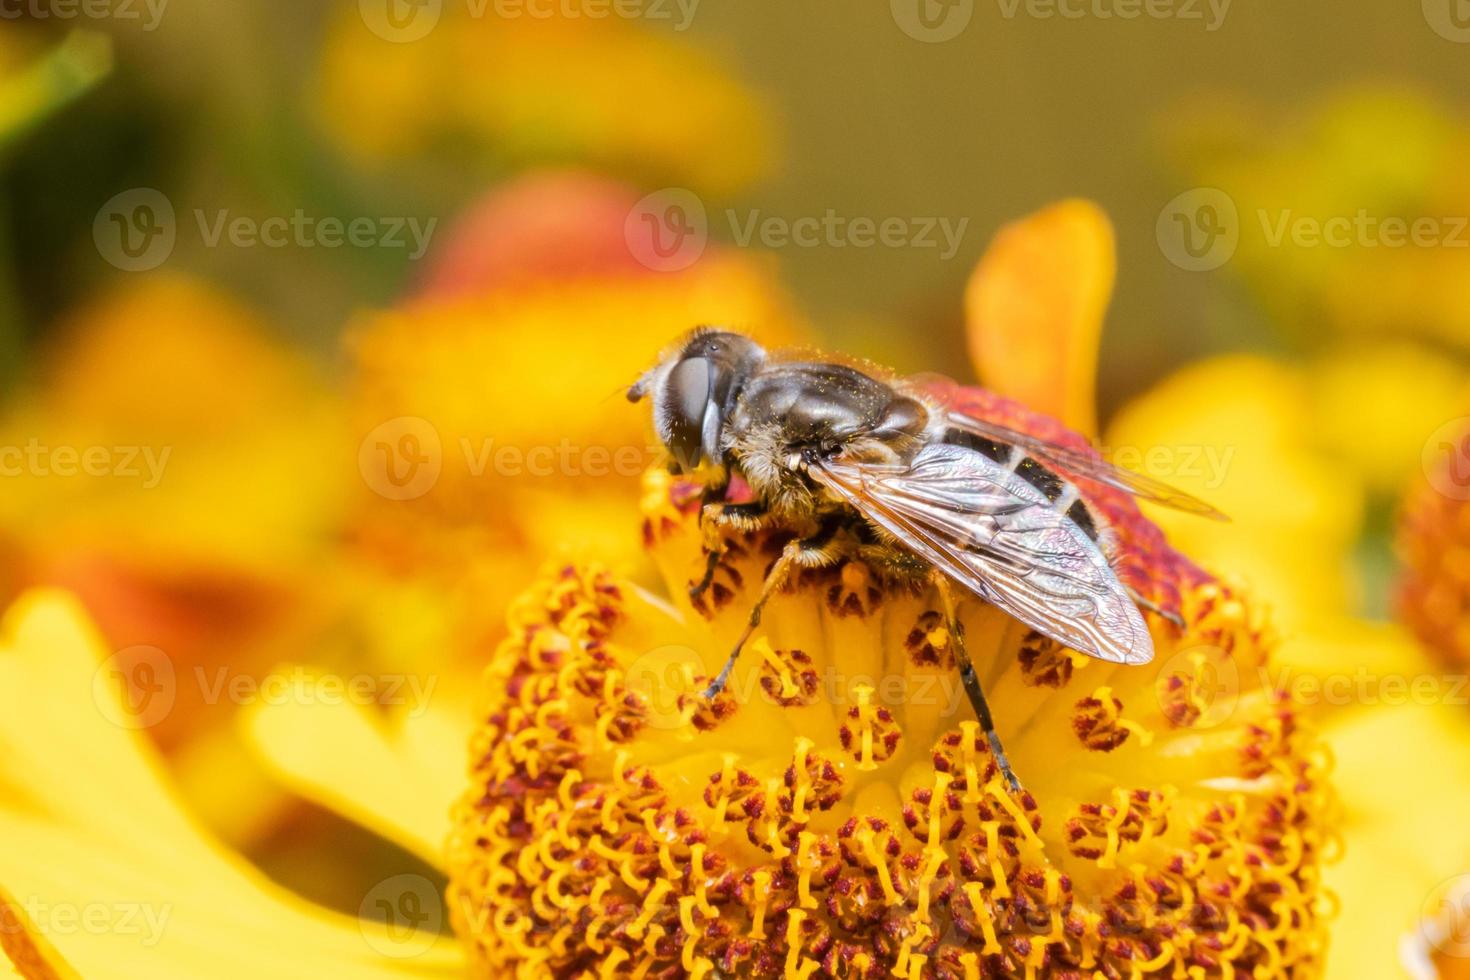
x=1434, y=545
x=1315, y=192
x=180, y=510
x=492, y=93
x=836, y=808
x=1035, y=305
x=509, y=378
x=840, y=806
x=104, y=873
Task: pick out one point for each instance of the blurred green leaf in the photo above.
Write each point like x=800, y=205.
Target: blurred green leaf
x=74, y=66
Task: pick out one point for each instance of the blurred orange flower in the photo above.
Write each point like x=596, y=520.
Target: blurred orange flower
x=489, y=406
x=488, y=93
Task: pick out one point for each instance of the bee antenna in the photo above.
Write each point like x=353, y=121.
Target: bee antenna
x=625, y=390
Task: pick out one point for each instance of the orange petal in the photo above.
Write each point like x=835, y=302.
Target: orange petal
x=1034, y=310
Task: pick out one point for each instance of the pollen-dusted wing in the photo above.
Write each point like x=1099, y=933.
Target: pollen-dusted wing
x=1001, y=538
x=1071, y=461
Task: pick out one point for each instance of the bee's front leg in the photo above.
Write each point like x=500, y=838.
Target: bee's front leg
x=714, y=518
x=817, y=551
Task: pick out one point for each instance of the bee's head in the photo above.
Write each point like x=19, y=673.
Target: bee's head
x=694, y=388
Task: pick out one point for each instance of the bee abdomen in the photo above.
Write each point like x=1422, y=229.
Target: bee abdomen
x=998, y=451
x=1059, y=491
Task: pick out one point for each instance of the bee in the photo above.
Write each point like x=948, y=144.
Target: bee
x=860, y=464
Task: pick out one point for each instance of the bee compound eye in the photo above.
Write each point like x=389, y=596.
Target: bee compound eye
x=687, y=397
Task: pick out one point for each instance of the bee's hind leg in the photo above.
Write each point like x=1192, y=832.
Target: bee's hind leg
x=971, y=682
x=813, y=552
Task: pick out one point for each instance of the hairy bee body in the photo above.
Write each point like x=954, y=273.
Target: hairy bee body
x=886, y=471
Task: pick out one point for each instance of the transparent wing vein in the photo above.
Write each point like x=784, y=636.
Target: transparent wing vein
x=996, y=535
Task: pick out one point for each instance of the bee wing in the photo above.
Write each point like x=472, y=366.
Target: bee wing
x=999, y=537
x=1071, y=460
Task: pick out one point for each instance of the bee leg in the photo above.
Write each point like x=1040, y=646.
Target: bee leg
x=806, y=552
x=972, y=683
x=713, y=517
x=710, y=499
x=1143, y=602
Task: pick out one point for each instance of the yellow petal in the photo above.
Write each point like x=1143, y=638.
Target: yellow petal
x=1034, y=309
x=396, y=776
x=30, y=956
x=1403, y=774
x=117, y=877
